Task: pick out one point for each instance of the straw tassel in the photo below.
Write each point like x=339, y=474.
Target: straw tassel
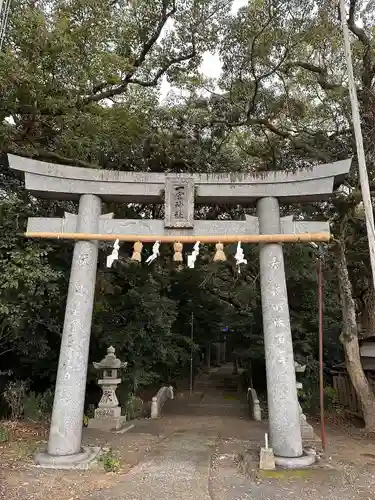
x=219, y=255
x=177, y=247
x=137, y=249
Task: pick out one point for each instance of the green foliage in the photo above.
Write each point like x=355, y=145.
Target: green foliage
x=131, y=406
x=28, y=284
x=63, y=60
x=310, y=400
x=37, y=407
x=4, y=434
x=110, y=462
x=14, y=395
x=31, y=407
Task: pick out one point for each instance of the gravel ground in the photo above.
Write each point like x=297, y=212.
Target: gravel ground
x=192, y=453
x=331, y=479
x=178, y=468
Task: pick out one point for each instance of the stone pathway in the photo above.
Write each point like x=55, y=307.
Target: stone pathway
x=176, y=469
x=216, y=394
x=199, y=457
x=194, y=453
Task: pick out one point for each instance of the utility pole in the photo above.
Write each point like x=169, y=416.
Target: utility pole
x=321, y=361
x=363, y=176
x=319, y=252
x=4, y=14
x=191, y=352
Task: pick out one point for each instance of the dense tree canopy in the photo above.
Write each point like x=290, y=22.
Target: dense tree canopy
x=80, y=83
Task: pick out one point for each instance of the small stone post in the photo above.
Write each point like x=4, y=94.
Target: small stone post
x=108, y=414
x=284, y=422
x=154, y=407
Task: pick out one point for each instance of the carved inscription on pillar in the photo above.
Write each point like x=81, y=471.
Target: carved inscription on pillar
x=179, y=202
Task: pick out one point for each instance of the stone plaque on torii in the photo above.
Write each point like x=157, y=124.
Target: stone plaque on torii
x=179, y=193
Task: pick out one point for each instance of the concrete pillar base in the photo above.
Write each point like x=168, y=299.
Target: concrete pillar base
x=305, y=460
x=82, y=460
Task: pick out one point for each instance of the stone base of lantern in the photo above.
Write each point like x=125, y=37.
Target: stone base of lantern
x=307, y=430
x=107, y=419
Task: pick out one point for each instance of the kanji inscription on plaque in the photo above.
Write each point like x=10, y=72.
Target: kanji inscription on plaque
x=179, y=202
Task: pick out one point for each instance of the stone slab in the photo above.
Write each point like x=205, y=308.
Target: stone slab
x=63, y=182
x=266, y=459
x=108, y=424
x=125, y=429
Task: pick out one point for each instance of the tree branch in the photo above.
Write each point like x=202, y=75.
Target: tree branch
x=356, y=30
x=298, y=143
x=143, y=83
x=100, y=94
x=321, y=72
x=257, y=80
x=368, y=60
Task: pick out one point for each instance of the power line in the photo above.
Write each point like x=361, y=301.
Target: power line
x=363, y=176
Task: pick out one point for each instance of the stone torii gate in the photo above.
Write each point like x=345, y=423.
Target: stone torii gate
x=179, y=192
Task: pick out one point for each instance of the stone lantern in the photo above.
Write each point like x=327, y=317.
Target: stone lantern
x=307, y=430
x=108, y=414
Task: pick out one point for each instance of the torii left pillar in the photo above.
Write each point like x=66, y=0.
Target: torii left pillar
x=64, y=445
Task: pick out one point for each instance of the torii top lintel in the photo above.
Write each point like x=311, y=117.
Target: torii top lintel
x=60, y=182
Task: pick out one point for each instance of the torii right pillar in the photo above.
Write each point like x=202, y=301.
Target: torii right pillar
x=283, y=409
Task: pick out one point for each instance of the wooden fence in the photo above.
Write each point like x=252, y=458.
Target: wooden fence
x=346, y=393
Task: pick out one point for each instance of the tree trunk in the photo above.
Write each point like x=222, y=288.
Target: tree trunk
x=349, y=339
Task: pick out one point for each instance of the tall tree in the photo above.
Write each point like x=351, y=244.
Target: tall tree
x=286, y=106
x=80, y=84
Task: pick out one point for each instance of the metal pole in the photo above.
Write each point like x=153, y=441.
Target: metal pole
x=4, y=12
x=321, y=373
x=191, y=352
x=365, y=188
